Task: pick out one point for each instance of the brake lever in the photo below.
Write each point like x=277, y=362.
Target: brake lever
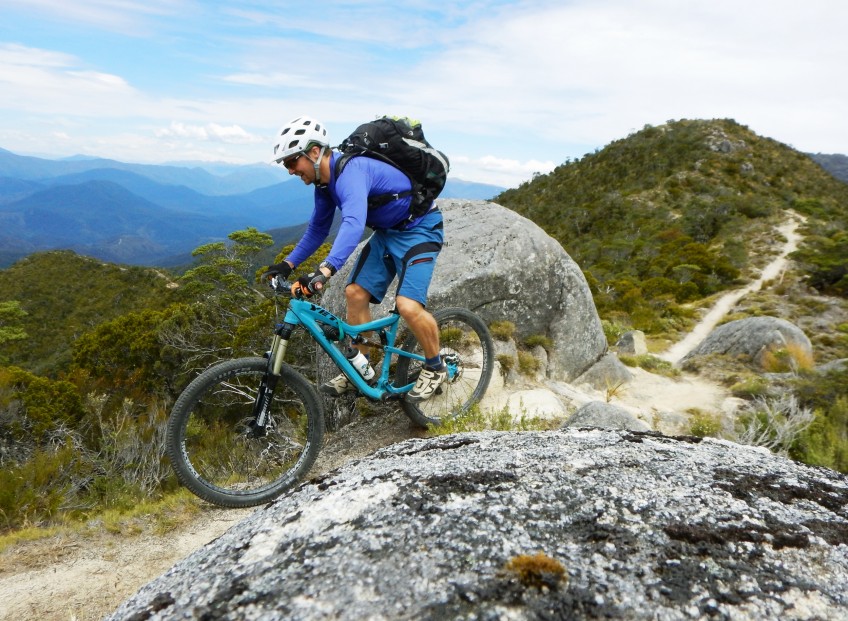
x=280, y=285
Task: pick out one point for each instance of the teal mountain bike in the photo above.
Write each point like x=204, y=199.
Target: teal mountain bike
x=244, y=431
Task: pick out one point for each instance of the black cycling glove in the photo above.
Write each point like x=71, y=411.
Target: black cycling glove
x=278, y=269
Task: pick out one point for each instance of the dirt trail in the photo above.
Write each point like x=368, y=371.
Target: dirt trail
x=79, y=579
x=84, y=578
x=725, y=303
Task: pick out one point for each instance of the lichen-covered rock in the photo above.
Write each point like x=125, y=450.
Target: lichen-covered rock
x=605, y=416
x=568, y=524
x=632, y=342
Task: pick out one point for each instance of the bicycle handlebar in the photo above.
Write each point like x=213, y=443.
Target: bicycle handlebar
x=282, y=286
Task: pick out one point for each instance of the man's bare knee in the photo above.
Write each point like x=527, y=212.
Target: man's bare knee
x=355, y=294
x=408, y=307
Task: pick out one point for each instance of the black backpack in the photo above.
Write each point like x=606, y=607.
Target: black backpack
x=399, y=142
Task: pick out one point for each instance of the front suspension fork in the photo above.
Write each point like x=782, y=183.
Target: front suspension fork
x=265, y=394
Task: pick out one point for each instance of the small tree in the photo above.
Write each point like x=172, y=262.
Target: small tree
x=226, y=271
x=223, y=287
x=10, y=315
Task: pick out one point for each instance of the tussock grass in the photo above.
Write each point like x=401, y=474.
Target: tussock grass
x=475, y=419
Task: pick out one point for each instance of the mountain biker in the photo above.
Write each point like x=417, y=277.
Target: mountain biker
x=399, y=246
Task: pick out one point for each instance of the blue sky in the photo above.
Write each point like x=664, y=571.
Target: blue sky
x=507, y=88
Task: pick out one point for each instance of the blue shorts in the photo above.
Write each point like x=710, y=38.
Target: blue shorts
x=408, y=254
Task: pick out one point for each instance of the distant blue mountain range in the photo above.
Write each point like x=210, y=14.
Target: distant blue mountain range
x=143, y=214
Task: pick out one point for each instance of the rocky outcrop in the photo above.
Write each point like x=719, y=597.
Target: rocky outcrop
x=607, y=374
x=605, y=416
x=751, y=338
x=504, y=267
x=632, y=342
x=571, y=524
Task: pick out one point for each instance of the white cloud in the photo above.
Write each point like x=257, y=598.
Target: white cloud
x=211, y=132
x=273, y=80
x=43, y=81
x=124, y=16
x=589, y=73
x=497, y=171
x=512, y=85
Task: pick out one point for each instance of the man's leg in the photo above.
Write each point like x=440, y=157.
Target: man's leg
x=422, y=324
x=426, y=330
x=370, y=269
x=358, y=307
x=358, y=312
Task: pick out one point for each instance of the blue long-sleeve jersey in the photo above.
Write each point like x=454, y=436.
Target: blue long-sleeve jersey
x=362, y=177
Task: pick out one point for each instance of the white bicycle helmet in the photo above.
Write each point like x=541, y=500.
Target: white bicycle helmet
x=297, y=136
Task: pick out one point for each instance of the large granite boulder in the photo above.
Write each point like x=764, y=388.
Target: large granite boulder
x=570, y=524
x=504, y=267
x=751, y=338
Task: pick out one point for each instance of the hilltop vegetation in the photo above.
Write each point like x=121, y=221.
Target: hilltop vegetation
x=673, y=214
x=64, y=295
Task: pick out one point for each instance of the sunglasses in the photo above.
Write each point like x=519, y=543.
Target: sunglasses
x=289, y=163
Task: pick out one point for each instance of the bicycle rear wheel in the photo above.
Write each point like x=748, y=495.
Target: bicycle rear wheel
x=468, y=352
x=219, y=453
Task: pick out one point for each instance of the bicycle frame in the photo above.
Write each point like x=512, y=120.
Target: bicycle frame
x=312, y=317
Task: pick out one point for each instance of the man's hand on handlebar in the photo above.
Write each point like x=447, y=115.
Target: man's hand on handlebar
x=305, y=286
x=309, y=285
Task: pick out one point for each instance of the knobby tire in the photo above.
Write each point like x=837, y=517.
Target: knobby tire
x=220, y=457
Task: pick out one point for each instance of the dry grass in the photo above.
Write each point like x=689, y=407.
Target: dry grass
x=791, y=358
x=32, y=548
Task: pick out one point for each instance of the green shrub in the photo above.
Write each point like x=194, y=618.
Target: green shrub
x=527, y=363
x=502, y=330
x=825, y=441
x=47, y=403
x=37, y=491
x=507, y=363
x=475, y=419
x=650, y=363
x=539, y=340
x=750, y=388
x=703, y=424
x=821, y=390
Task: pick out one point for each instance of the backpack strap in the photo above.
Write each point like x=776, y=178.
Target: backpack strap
x=381, y=199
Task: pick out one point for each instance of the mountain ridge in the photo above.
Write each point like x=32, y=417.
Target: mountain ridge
x=201, y=205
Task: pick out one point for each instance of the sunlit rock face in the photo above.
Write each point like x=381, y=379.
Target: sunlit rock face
x=575, y=523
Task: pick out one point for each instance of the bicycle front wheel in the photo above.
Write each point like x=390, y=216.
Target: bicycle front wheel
x=220, y=453
x=468, y=352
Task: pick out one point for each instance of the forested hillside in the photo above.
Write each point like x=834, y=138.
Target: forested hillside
x=64, y=295
x=673, y=214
